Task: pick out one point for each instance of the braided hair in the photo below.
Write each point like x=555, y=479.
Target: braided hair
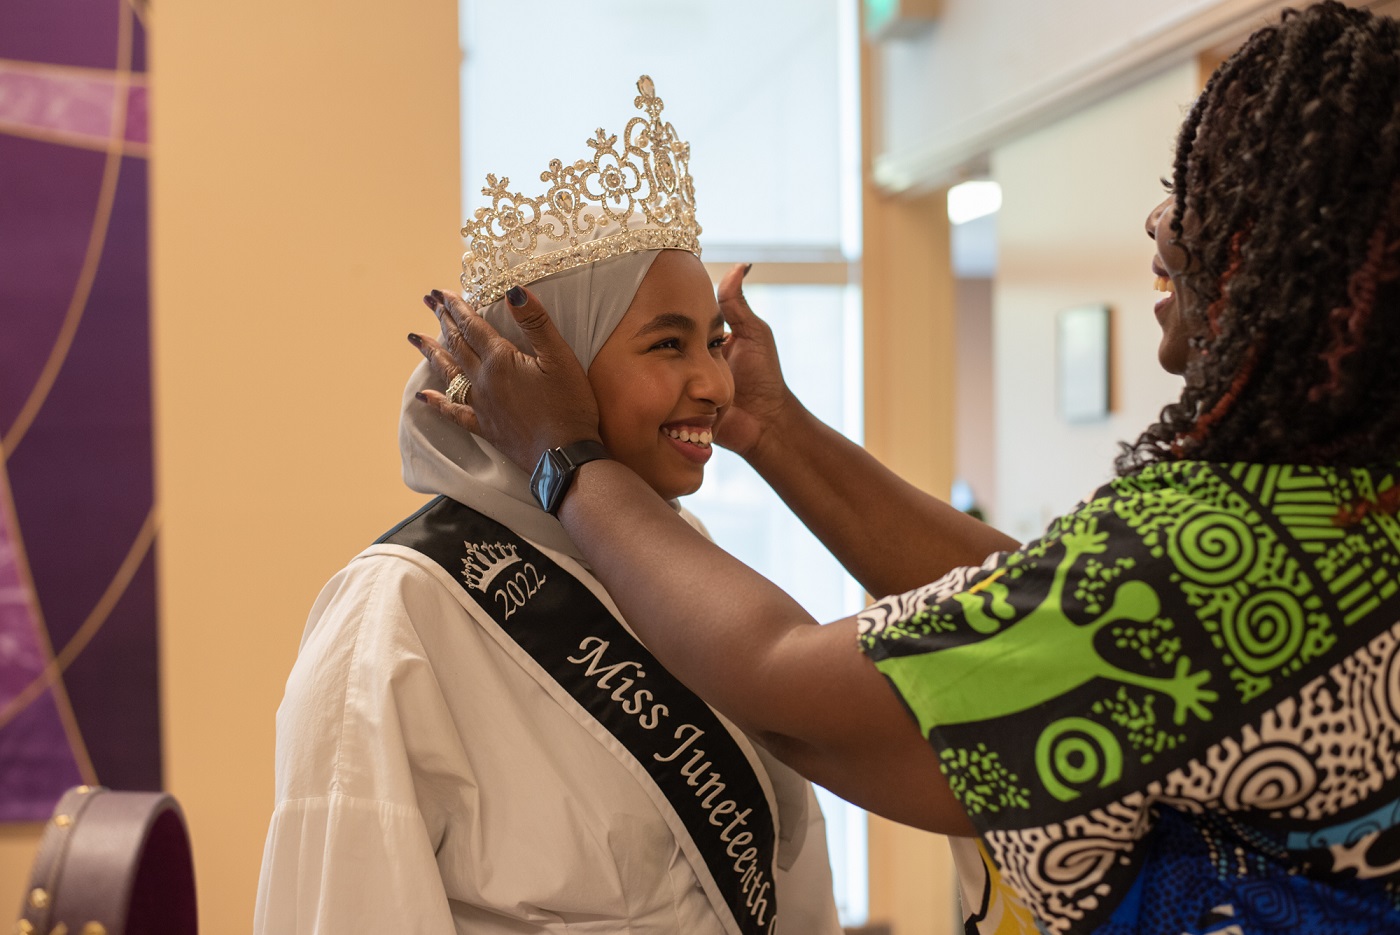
x=1287, y=183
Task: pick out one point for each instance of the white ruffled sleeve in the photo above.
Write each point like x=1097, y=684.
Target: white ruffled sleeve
x=334, y=864
x=365, y=749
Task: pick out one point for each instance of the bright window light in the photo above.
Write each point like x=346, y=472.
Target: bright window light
x=971, y=200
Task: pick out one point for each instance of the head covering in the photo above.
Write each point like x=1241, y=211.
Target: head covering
x=439, y=457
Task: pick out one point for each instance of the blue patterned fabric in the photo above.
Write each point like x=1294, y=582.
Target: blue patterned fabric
x=1202, y=874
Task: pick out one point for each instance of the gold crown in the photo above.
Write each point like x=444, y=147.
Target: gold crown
x=638, y=198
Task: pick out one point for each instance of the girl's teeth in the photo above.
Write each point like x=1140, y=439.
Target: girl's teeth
x=1163, y=284
x=702, y=439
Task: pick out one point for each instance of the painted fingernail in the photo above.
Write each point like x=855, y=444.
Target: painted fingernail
x=516, y=296
x=747, y=267
x=421, y=396
x=437, y=297
x=428, y=301
x=415, y=340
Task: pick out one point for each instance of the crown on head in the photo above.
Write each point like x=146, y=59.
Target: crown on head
x=623, y=200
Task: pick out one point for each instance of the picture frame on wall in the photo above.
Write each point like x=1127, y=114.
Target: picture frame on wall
x=1083, y=363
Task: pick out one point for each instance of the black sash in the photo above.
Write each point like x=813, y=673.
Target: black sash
x=676, y=739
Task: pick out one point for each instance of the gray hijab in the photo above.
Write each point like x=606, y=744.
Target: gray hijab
x=586, y=303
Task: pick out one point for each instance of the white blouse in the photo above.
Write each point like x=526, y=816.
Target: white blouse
x=426, y=783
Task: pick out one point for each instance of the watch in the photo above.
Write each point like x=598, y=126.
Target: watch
x=555, y=471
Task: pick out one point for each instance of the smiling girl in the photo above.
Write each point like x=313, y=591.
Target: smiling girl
x=472, y=739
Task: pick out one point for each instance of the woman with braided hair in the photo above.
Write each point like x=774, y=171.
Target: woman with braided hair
x=1179, y=709
x=1292, y=194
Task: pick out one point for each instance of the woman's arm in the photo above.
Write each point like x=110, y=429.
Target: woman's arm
x=889, y=534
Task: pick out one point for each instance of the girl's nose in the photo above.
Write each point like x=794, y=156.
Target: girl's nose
x=712, y=380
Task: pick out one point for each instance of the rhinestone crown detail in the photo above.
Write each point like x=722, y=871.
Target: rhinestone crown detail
x=623, y=200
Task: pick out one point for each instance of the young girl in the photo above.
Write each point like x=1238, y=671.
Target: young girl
x=472, y=740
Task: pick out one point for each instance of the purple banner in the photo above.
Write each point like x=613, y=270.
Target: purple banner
x=78, y=655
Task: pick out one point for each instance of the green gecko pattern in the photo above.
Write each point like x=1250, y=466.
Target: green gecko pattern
x=1136, y=631
x=1046, y=642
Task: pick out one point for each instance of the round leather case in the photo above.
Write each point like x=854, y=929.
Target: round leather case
x=112, y=863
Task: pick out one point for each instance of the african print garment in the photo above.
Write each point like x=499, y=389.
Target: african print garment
x=1179, y=711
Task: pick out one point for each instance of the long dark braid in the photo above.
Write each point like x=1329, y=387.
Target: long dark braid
x=1287, y=179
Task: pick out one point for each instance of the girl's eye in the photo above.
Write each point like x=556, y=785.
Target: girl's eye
x=720, y=341
x=668, y=344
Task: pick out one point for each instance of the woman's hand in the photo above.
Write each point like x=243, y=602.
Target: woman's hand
x=521, y=404
x=760, y=395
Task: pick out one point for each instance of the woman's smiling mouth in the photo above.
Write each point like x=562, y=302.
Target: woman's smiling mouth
x=1162, y=283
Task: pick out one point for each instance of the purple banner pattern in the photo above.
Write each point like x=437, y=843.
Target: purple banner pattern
x=78, y=655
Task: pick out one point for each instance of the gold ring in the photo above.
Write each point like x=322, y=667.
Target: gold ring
x=458, y=389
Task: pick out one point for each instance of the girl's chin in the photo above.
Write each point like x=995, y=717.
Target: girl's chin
x=674, y=487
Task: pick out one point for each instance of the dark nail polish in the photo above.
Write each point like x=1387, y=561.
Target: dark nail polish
x=428, y=301
x=747, y=267
x=516, y=296
x=437, y=297
x=420, y=396
x=415, y=340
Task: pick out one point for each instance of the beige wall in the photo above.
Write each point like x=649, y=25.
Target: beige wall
x=1075, y=197
x=306, y=193
x=305, y=189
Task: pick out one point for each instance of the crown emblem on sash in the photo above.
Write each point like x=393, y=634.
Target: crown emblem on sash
x=634, y=194
x=486, y=560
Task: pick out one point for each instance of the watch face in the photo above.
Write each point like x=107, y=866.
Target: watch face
x=555, y=471
x=546, y=483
